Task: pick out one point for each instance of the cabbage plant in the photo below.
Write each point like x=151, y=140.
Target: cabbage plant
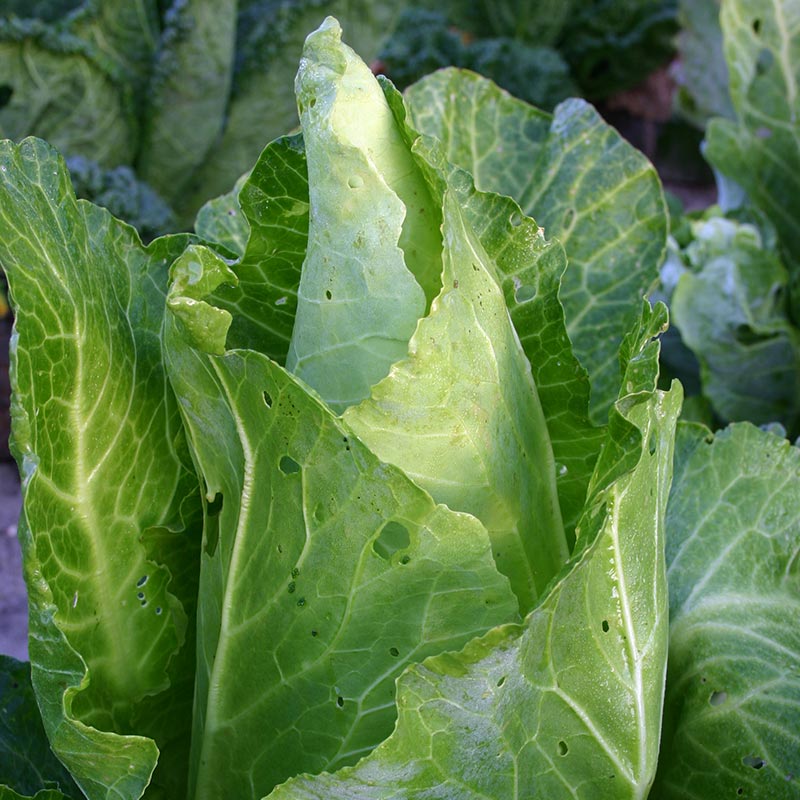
x=332, y=498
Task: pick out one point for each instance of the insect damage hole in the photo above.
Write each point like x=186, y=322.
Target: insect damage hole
x=718, y=698
x=6, y=93
x=524, y=293
x=604, y=626
x=288, y=466
x=753, y=761
x=267, y=397
x=393, y=537
x=563, y=748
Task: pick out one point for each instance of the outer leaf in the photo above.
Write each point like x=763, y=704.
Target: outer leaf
x=461, y=416
x=97, y=436
x=702, y=72
x=567, y=705
x=188, y=97
x=374, y=250
x=733, y=691
x=61, y=91
x=27, y=765
x=324, y=573
x=731, y=312
x=761, y=149
x=124, y=34
x=581, y=181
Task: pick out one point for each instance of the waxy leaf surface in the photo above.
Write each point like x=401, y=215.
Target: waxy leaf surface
x=582, y=183
x=569, y=703
x=733, y=548
x=324, y=572
x=97, y=435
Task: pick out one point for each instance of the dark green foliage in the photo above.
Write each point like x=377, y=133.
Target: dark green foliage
x=425, y=40
x=27, y=764
x=538, y=75
x=611, y=45
x=126, y=197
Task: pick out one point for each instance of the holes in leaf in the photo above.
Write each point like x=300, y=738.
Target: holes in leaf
x=292, y=587
x=405, y=560
x=140, y=595
x=563, y=748
x=756, y=26
x=524, y=293
x=718, y=698
x=740, y=790
x=393, y=537
x=267, y=399
x=355, y=182
x=142, y=581
x=211, y=532
x=215, y=506
x=501, y=681
x=394, y=652
x=282, y=301
x=158, y=610
x=515, y=220
x=340, y=701
x=328, y=295
x=753, y=761
x=764, y=61
x=651, y=444
x=288, y=466
x=315, y=633
x=301, y=602
x=569, y=218
x=6, y=92
x=604, y=626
